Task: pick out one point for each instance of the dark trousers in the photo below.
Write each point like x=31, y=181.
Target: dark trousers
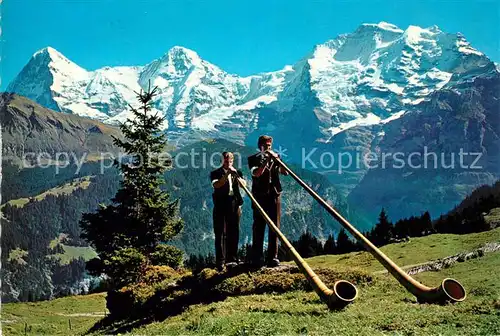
x=271, y=204
x=226, y=215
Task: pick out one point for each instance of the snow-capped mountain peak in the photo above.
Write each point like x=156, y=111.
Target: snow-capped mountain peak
x=416, y=35
x=47, y=76
x=58, y=62
x=178, y=60
x=371, y=75
x=48, y=52
x=178, y=52
x=384, y=26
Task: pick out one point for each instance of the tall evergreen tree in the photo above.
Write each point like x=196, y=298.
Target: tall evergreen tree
x=131, y=232
x=383, y=231
x=330, y=247
x=308, y=245
x=344, y=244
x=402, y=228
x=426, y=223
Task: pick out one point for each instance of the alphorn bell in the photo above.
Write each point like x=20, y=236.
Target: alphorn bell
x=449, y=290
x=343, y=291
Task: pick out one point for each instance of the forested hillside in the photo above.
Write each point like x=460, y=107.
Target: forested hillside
x=43, y=256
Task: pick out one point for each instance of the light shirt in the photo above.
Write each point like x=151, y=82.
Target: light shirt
x=230, y=181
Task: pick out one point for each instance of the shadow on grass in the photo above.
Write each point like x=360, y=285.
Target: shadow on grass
x=210, y=286
x=295, y=313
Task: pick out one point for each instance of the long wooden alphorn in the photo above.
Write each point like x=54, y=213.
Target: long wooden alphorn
x=343, y=291
x=449, y=290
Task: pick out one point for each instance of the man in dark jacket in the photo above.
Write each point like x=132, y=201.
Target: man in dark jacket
x=227, y=210
x=266, y=188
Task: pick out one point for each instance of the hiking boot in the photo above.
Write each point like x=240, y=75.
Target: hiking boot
x=273, y=263
x=231, y=264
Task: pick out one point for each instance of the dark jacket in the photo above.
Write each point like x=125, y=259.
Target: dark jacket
x=222, y=194
x=269, y=182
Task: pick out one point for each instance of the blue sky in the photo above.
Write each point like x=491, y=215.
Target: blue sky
x=242, y=37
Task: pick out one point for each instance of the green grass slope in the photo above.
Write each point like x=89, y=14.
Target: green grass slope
x=65, y=189
x=416, y=251
x=74, y=252
x=383, y=306
x=53, y=317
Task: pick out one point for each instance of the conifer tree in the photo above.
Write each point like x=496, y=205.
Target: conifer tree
x=426, y=223
x=132, y=231
x=344, y=244
x=308, y=245
x=383, y=231
x=330, y=246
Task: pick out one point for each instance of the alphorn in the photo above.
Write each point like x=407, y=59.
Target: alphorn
x=449, y=290
x=343, y=291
